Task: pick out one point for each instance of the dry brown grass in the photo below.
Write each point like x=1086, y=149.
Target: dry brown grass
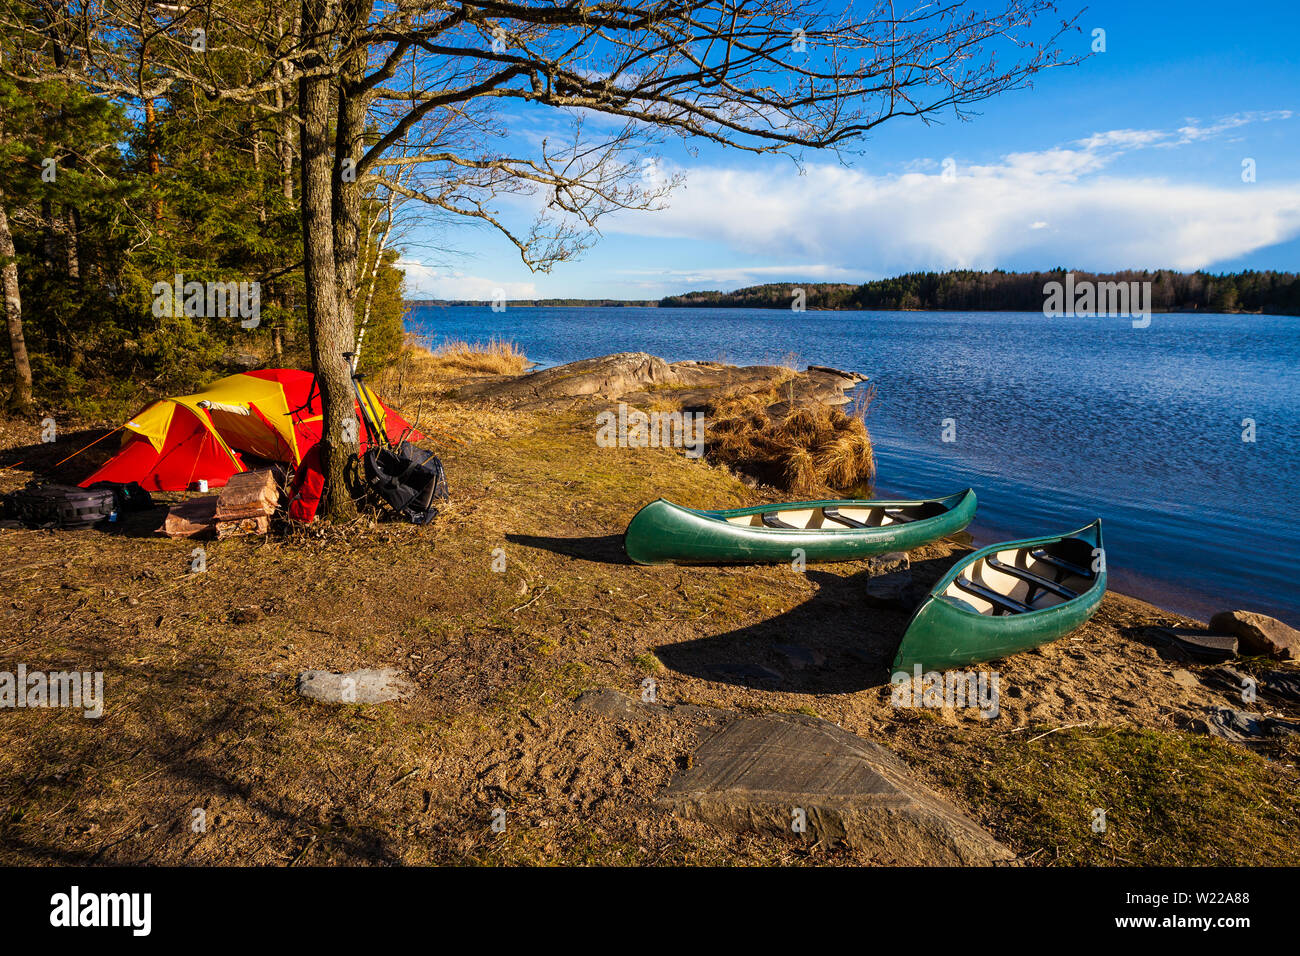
x=494, y=357
x=814, y=450
x=419, y=365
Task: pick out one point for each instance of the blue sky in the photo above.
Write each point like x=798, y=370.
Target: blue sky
x=1131, y=159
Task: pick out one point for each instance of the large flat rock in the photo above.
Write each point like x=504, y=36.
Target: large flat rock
x=639, y=378
x=754, y=772
x=608, y=376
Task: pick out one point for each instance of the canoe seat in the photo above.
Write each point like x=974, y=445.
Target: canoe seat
x=772, y=521
x=993, y=597
x=1042, y=554
x=1024, y=574
x=899, y=515
x=834, y=515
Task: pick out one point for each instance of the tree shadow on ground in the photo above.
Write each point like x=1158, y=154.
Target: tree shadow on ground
x=198, y=756
x=834, y=643
x=603, y=549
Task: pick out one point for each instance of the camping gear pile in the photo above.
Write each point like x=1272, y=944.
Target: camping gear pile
x=1000, y=600
x=244, y=506
x=270, y=416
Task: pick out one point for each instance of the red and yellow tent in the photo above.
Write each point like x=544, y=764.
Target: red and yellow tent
x=272, y=414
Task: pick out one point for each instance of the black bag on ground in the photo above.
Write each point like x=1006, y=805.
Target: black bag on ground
x=63, y=506
x=409, y=479
x=129, y=497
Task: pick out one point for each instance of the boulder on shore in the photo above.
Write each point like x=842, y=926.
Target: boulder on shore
x=1259, y=633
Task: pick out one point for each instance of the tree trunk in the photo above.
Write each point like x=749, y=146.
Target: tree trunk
x=330, y=333
x=373, y=277
x=284, y=121
x=350, y=128
x=20, y=399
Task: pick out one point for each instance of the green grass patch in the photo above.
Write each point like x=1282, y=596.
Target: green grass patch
x=1169, y=799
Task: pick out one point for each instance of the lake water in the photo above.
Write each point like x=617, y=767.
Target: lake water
x=1055, y=422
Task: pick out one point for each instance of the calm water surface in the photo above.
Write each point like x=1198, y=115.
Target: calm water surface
x=1057, y=421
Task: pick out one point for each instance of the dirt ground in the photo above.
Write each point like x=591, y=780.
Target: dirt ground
x=202, y=714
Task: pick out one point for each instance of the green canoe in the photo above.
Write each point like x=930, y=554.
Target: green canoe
x=1006, y=598
x=665, y=533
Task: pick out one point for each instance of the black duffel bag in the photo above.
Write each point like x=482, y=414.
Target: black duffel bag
x=408, y=479
x=63, y=506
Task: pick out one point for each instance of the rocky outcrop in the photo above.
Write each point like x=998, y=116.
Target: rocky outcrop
x=608, y=376
x=639, y=378
x=1259, y=633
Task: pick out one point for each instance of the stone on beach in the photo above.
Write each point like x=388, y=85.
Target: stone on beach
x=608, y=376
x=1196, y=643
x=888, y=563
x=890, y=590
x=367, y=686
x=1259, y=633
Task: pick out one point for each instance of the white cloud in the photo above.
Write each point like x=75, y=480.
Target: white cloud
x=921, y=220
x=1194, y=131
x=428, y=282
x=667, y=280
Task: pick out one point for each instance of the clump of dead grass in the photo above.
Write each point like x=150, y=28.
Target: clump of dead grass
x=421, y=366
x=813, y=450
x=494, y=357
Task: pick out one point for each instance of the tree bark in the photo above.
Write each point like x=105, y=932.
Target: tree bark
x=330, y=334
x=350, y=128
x=20, y=399
x=284, y=119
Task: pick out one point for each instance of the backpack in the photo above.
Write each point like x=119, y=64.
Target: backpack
x=409, y=479
x=128, y=497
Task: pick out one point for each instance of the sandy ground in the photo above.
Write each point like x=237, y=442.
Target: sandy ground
x=202, y=715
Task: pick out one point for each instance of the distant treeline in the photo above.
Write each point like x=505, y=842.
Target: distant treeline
x=538, y=303
x=1273, y=292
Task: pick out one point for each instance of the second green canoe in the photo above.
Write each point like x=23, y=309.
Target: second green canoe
x=843, y=530
x=1006, y=598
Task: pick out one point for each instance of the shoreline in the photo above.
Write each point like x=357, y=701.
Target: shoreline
x=1170, y=596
